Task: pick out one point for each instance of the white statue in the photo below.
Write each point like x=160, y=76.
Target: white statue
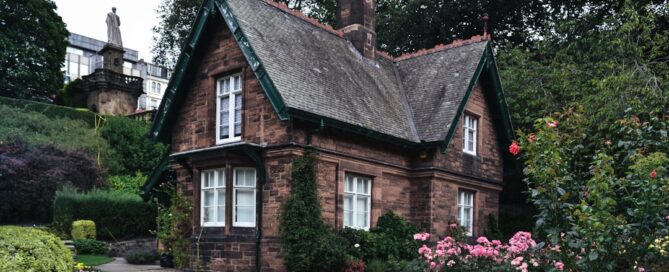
x=113, y=31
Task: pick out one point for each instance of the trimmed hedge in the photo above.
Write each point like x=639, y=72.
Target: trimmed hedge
x=90, y=247
x=30, y=249
x=83, y=229
x=118, y=215
x=51, y=110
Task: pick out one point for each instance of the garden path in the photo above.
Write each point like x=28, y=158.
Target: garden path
x=120, y=265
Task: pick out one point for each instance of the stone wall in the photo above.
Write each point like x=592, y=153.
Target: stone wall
x=112, y=102
x=119, y=249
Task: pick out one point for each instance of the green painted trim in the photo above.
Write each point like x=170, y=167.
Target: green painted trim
x=256, y=65
x=329, y=122
x=154, y=178
x=166, y=109
x=488, y=64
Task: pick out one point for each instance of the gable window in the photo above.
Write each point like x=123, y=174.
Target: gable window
x=244, y=197
x=229, y=109
x=213, y=197
x=357, y=201
x=470, y=126
x=466, y=211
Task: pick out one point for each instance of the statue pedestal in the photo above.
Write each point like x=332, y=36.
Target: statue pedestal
x=109, y=91
x=112, y=58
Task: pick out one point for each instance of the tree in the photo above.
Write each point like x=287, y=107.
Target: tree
x=32, y=49
x=176, y=18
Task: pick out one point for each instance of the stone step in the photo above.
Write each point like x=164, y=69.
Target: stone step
x=68, y=242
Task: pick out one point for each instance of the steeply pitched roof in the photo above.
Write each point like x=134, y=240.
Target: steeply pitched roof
x=309, y=70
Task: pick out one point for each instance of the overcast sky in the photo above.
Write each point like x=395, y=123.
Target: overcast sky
x=87, y=17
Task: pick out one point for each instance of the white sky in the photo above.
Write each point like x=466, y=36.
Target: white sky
x=87, y=17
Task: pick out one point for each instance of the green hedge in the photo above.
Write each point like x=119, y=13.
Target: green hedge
x=30, y=249
x=90, y=247
x=117, y=215
x=51, y=110
x=83, y=229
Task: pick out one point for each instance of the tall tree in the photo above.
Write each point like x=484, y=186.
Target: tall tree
x=32, y=49
x=176, y=18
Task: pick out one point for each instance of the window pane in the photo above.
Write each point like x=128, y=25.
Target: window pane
x=226, y=86
x=348, y=219
x=209, y=198
x=349, y=184
x=221, y=178
x=244, y=214
x=348, y=202
x=208, y=214
x=238, y=115
x=359, y=185
x=361, y=204
x=245, y=198
x=250, y=177
x=221, y=197
x=237, y=82
x=220, y=214
x=360, y=220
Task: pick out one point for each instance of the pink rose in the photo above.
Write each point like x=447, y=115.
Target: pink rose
x=552, y=124
x=559, y=266
x=514, y=148
x=653, y=174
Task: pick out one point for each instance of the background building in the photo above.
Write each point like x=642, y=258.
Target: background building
x=82, y=58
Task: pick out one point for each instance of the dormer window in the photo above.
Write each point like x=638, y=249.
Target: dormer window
x=229, y=109
x=470, y=126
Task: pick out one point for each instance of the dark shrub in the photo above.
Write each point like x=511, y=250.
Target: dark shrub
x=72, y=95
x=308, y=243
x=393, y=238
x=141, y=256
x=130, y=139
x=117, y=215
x=90, y=247
x=30, y=176
x=30, y=249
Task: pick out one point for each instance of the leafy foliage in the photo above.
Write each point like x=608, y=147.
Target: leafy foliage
x=64, y=128
x=172, y=222
x=83, y=229
x=130, y=140
x=72, y=95
x=30, y=176
x=308, y=243
x=176, y=18
x=117, y=215
x=90, y=246
x=30, y=249
x=32, y=49
x=127, y=183
x=593, y=214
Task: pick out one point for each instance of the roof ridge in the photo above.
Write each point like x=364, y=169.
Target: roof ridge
x=298, y=14
x=442, y=47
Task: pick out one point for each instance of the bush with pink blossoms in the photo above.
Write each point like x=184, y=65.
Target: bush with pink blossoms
x=520, y=253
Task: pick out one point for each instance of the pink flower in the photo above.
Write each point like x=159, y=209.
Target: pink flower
x=559, y=266
x=453, y=226
x=496, y=242
x=450, y=263
x=482, y=240
x=432, y=265
x=552, y=124
x=421, y=236
x=424, y=250
x=514, y=148
x=667, y=217
x=531, y=138
x=653, y=174
x=640, y=269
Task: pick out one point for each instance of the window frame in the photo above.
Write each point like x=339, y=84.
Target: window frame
x=232, y=96
x=467, y=127
x=461, y=210
x=215, y=188
x=354, y=201
x=252, y=188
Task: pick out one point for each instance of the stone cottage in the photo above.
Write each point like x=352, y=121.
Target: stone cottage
x=257, y=84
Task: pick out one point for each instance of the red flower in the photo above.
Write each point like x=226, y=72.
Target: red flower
x=653, y=174
x=552, y=124
x=514, y=148
x=532, y=138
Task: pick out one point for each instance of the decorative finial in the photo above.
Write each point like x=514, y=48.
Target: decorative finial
x=485, y=25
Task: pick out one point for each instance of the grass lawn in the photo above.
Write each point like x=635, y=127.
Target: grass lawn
x=93, y=260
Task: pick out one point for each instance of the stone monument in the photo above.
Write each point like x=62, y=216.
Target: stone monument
x=110, y=92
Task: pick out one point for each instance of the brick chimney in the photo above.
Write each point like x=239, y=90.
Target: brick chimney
x=356, y=19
